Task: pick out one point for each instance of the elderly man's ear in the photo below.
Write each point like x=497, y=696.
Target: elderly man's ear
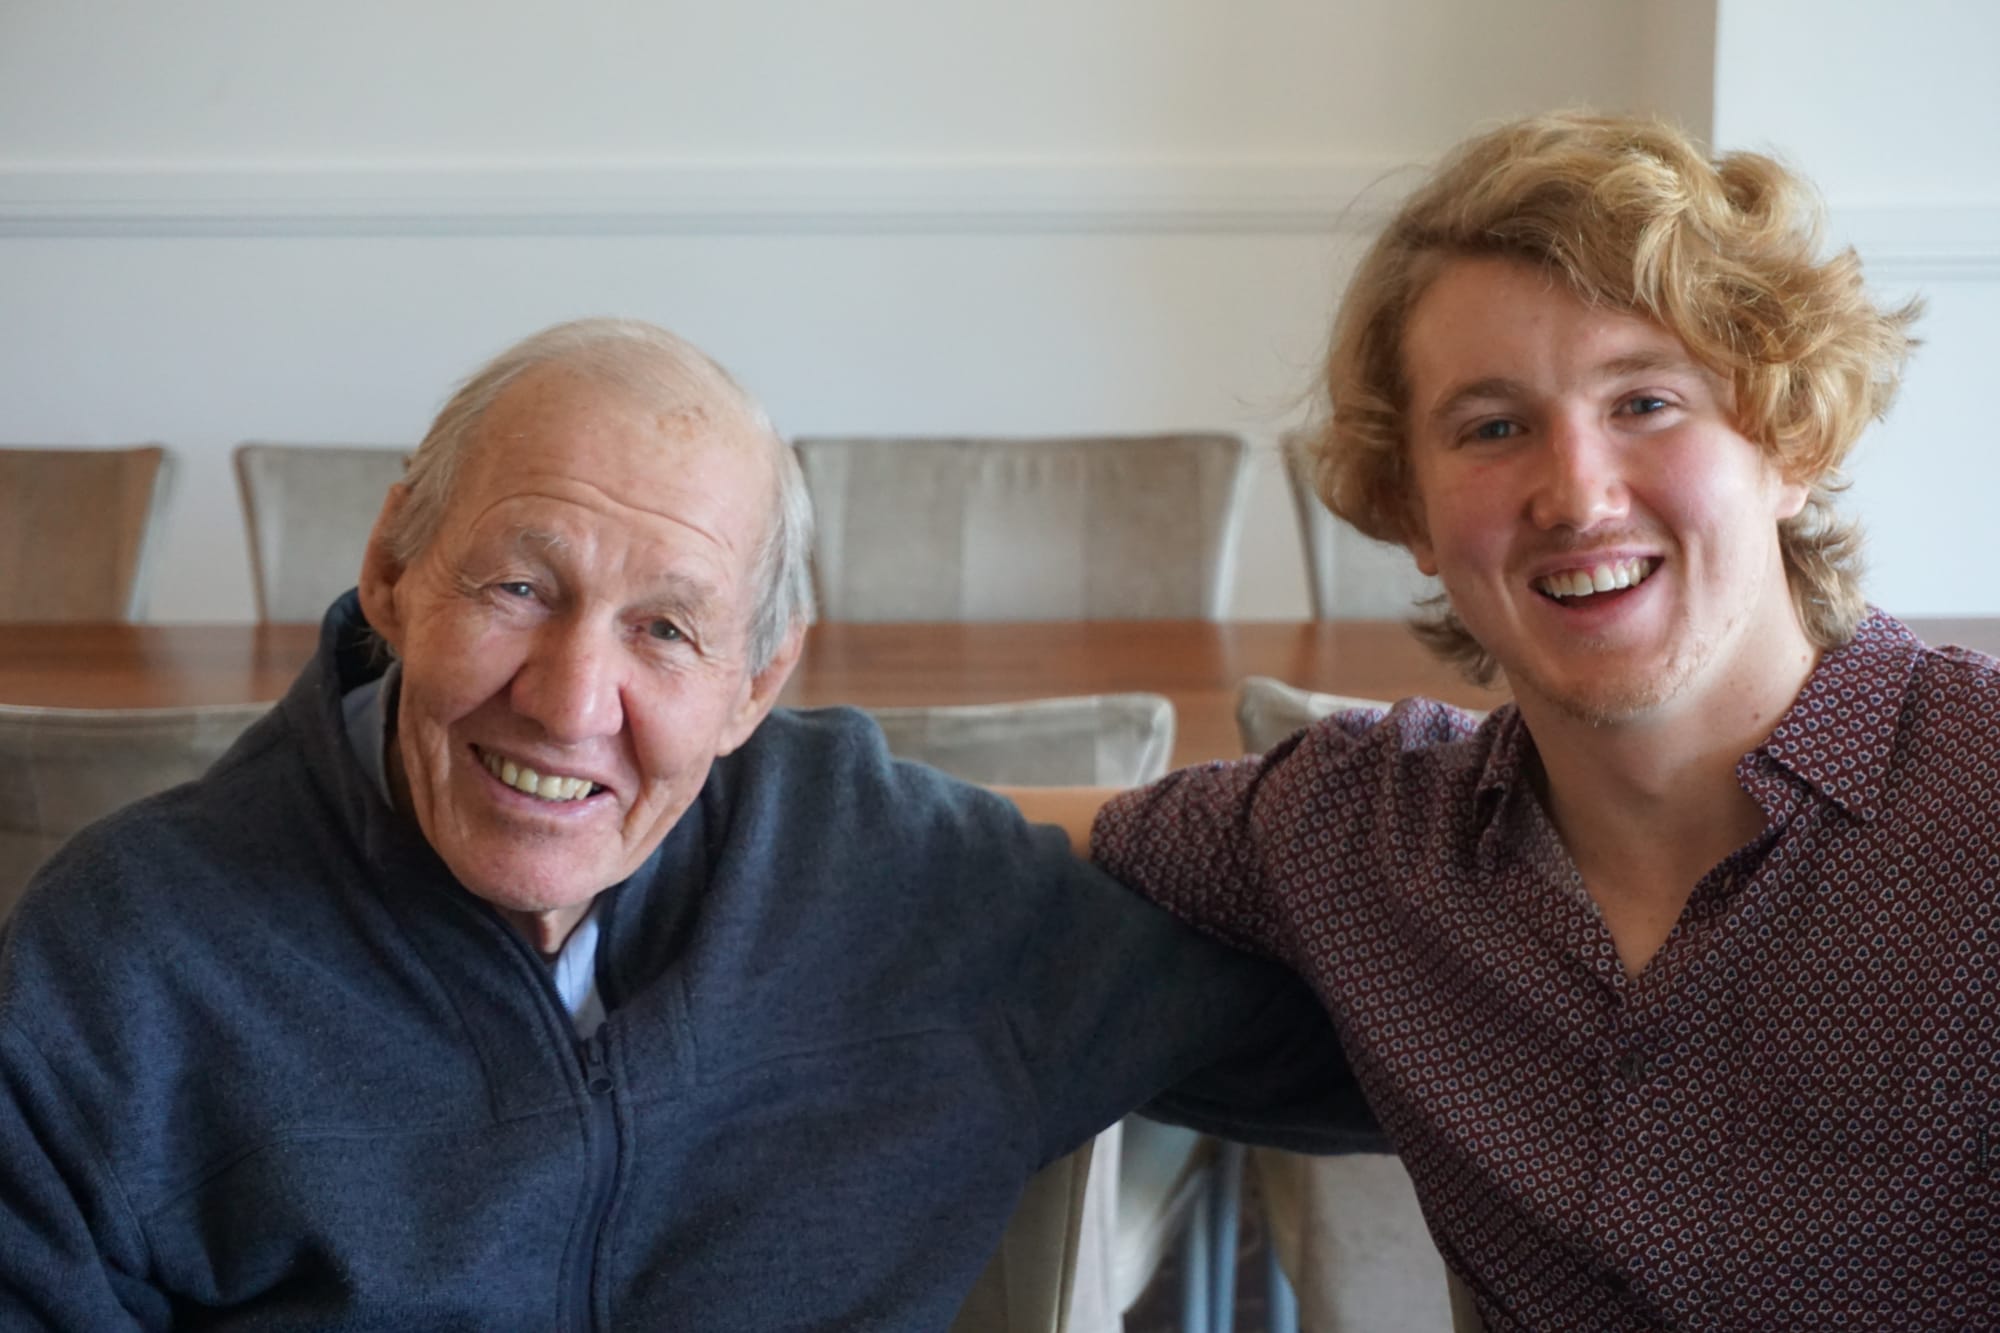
x=763, y=691
x=381, y=572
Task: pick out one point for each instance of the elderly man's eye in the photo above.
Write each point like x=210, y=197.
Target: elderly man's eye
x=518, y=589
x=664, y=630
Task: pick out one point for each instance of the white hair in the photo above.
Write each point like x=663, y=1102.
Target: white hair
x=664, y=372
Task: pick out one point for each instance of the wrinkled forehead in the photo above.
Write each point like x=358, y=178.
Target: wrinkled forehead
x=699, y=457
x=643, y=429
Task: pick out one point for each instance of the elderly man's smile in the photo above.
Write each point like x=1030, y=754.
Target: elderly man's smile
x=553, y=787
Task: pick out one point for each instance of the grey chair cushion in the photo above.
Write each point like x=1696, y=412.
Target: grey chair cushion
x=1025, y=529
x=1103, y=740
x=1350, y=576
x=1269, y=710
x=61, y=768
x=308, y=510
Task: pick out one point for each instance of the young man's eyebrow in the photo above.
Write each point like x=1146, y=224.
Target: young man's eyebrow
x=1641, y=363
x=1475, y=392
x=1498, y=387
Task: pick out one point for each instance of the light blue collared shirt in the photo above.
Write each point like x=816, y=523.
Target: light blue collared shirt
x=365, y=711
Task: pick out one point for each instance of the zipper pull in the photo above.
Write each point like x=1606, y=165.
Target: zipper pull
x=596, y=1068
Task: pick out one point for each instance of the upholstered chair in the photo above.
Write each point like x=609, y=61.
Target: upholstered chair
x=62, y=768
x=308, y=510
x=1094, y=1227
x=1350, y=577
x=1346, y=1234
x=1092, y=527
x=79, y=530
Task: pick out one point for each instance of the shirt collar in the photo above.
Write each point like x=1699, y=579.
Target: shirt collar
x=1501, y=776
x=1839, y=735
x=365, y=711
x=1831, y=737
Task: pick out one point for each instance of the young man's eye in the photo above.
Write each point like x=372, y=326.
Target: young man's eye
x=1495, y=430
x=1645, y=404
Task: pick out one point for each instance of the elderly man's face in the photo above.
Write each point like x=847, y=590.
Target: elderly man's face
x=573, y=640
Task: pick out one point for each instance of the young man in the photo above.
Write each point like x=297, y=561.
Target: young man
x=1675, y=982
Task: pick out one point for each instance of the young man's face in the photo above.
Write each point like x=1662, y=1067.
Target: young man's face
x=1600, y=526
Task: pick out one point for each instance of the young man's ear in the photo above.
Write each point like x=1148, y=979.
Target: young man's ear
x=1417, y=541
x=381, y=572
x=763, y=690
x=1791, y=498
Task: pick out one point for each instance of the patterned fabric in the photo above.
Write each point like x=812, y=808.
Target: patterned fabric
x=1788, y=1120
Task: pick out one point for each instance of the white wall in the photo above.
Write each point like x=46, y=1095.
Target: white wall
x=1893, y=110
x=233, y=219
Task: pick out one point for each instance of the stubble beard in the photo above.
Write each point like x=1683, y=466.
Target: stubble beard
x=1600, y=701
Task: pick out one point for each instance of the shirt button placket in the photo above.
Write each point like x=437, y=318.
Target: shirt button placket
x=1620, y=1210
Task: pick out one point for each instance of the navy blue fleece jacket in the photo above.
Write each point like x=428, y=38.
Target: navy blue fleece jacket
x=265, y=1064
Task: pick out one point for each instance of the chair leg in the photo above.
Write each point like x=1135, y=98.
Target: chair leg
x=1284, y=1301
x=1228, y=1226
x=1198, y=1266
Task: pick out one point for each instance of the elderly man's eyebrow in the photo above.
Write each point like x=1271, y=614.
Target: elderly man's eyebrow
x=675, y=593
x=534, y=541
x=683, y=594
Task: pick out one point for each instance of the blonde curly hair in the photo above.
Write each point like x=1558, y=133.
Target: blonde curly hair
x=1634, y=217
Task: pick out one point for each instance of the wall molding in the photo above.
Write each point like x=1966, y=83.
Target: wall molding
x=1921, y=242
x=1310, y=196
x=1315, y=196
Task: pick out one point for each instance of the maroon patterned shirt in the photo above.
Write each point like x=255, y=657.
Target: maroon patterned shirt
x=1789, y=1120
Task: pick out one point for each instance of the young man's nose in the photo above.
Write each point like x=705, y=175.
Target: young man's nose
x=1581, y=483
x=571, y=683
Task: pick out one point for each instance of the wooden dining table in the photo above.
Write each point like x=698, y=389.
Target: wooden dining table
x=1196, y=664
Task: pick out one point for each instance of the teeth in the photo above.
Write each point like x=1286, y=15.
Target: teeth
x=1600, y=578
x=548, y=787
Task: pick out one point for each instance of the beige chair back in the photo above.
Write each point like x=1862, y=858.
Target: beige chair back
x=308, y=510
x=1061, y=1240
x=1347, y=1230
x=1130, y=527
x=78, y=531
x=1350, y=576
x=1099, y=740
x=62, y=768
x=1269, y=710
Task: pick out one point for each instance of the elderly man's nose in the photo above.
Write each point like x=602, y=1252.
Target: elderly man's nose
x=570, y=684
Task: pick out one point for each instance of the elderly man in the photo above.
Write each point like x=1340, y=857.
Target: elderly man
x=1674, y=980
x=524, y=970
